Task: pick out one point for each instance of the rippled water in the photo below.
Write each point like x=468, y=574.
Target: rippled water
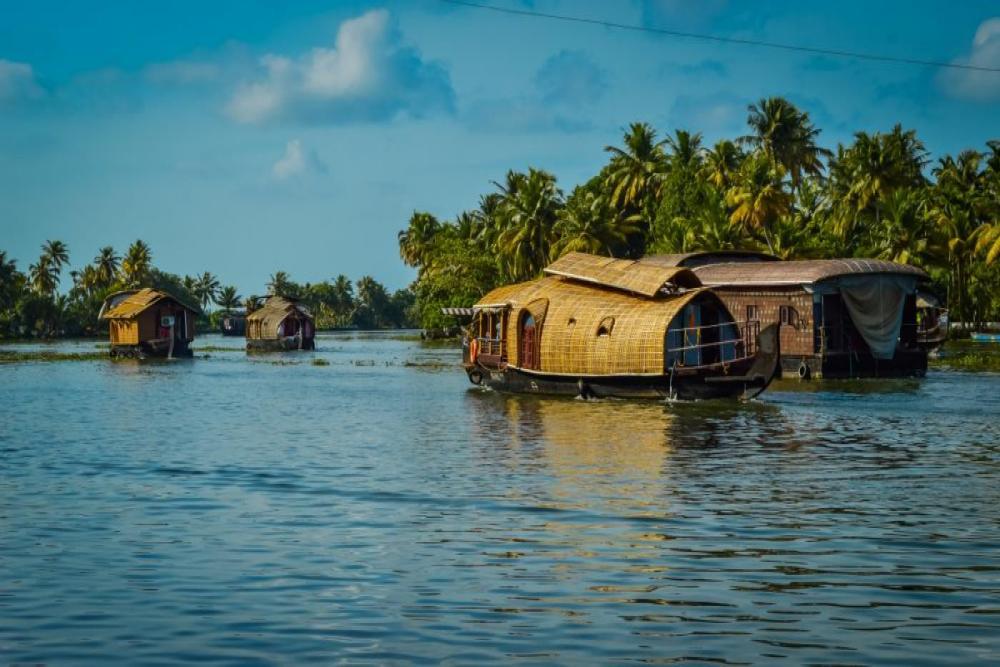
x=236, y=510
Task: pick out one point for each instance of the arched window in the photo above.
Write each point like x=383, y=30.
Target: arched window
x=605, y=327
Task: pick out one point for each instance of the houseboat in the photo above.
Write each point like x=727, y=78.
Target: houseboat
x=602, y=327
x=148, y=323
x=233, y=324
x=279, y=323
x=837, y=317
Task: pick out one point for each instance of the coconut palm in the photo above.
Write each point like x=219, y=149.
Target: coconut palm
x=205, y=288
x=136, y=265
x=636, y=169
x=528, y=218
x=44, y=276
x=786, y=136
x=56, y=253
x=685, y=150
x=227, y=298
x=279, y=284
x=721, y=164
x=758, y=197
x=416, y=240
x=10, y=281
x=589, y=223
x=106, y=263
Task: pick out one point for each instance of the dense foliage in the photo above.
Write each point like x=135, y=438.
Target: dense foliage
x=31, y=305
x=775, y=189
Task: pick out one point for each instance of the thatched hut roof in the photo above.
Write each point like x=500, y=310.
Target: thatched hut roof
x=274, y=311
x=636, y=276
x=585, y=330
x=129, y=304
x=797, y=272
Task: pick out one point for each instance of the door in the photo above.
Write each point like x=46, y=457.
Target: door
x=529, y=343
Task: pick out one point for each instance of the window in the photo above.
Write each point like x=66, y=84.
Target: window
x=753, y=313
x=789, y=316
x=605, y=327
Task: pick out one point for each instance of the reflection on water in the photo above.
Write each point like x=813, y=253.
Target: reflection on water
x=255, y=510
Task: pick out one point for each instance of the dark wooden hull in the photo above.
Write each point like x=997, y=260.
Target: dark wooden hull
x=843, y=365
x=280, y=345
x=144, y=351
x=745, y=378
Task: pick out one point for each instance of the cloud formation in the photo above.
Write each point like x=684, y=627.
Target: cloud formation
x=296, y=161
x=570, y=78
x=17, y=82
x=367, y=75
x=183, y=72
x=972, y=84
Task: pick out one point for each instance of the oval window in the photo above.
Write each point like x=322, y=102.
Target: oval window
x=605, y=327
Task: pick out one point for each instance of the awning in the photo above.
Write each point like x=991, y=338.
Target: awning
x=458, y=312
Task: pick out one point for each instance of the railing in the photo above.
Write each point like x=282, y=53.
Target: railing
x=492, y=346
x=743, y=346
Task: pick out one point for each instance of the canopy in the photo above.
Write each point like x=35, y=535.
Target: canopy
x=875, y=303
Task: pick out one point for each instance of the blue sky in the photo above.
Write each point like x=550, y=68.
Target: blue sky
x=250, y=137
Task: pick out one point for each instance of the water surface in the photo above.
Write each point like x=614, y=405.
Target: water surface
x=259, y=510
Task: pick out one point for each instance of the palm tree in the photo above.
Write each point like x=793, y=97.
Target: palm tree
x=904, y=235
x=637, y=169
x=205, y=288
x=44, y=276
x=721, y=164
x=137, y=263
x=10, y=281
x=416, y=240
x=279, y=284
x=786, y=136
x=107, y=263
x=758, y=197
x=57, y=253
x=343, y=299
x=528, y=217
x=227, y=298
x=589, y=223
x=685, y=150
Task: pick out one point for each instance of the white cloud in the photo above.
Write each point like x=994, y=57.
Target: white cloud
x=17, y=82
x=296, y=161
x=367, y=75
x=183, y=72
x=977, y=84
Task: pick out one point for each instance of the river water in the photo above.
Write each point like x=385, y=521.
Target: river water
x=235, y=510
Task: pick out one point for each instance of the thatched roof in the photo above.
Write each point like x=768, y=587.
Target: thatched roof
x=128, y=304
x=273, y=312
x=636, y=276
x=799, y=272
x=570, y=316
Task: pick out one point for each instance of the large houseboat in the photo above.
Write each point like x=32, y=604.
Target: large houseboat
x=838, y=318
x=602, y=327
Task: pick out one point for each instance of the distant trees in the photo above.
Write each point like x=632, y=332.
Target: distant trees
x=31, y=304
x=775, y=188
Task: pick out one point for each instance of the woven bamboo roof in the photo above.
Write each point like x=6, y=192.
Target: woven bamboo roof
x=570, y=316
x=273, y=312
x=797, y=272
x=634, y=276
x=128, y=304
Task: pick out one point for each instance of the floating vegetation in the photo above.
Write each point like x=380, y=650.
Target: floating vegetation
x=16, y=356
x=216, y=348
x=320, y=362
x=968, y=357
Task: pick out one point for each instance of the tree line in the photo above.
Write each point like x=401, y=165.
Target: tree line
x=31, y=305
x=775, y=189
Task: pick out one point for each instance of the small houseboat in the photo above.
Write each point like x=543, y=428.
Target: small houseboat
x=280, y=323
x=838, y=317
x=233, y=324
x=602, y=327
x=148, y=323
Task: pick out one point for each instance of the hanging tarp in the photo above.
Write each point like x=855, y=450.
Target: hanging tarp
x=875, y=303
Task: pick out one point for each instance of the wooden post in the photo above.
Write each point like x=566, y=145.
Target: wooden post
x=170, y=345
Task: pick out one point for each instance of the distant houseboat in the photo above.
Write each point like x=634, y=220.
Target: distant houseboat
x=838, y=317
x=148, y=323
x=280, y=323
x=233, y=324
x=601, y=327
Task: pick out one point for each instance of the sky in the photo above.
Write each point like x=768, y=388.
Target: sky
x=243, y=137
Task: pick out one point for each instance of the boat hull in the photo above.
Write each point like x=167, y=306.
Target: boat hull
x=744, y=378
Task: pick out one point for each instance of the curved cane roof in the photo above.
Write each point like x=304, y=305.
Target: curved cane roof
x=797, y=272
x=636, y=276
x=128, y=304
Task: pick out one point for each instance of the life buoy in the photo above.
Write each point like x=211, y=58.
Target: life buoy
x=473, y=350
x=804, y=371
